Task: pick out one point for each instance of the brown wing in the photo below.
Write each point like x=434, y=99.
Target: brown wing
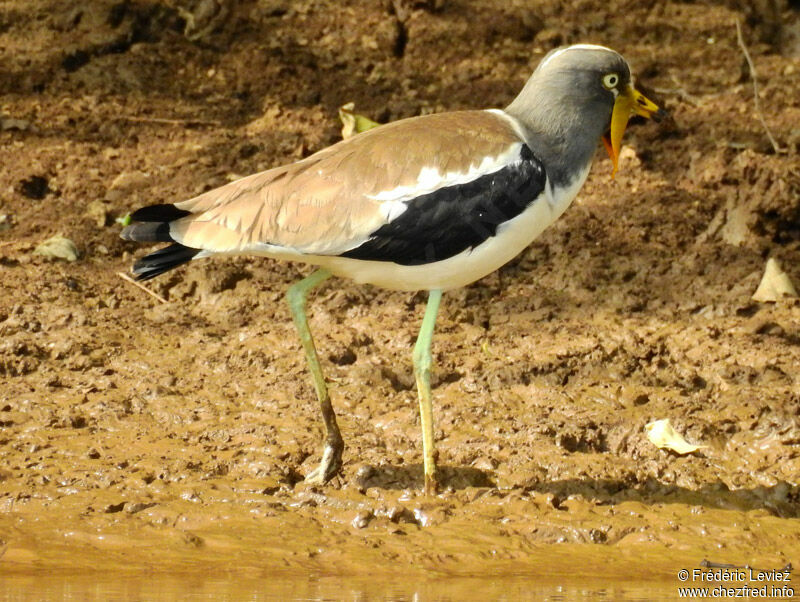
x=331, y=201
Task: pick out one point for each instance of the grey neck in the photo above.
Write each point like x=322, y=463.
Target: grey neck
x=562, y=139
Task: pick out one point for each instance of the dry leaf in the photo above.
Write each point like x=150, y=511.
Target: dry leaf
x=664, y=436
x=353, y=123
x=775, y=284
x=57, y=247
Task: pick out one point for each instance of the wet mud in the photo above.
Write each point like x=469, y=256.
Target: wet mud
x=137, y=434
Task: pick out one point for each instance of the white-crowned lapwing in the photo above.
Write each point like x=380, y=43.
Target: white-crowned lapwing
x=427, y=203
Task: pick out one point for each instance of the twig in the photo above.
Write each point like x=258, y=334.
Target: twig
x=680, y=92
x=22, y=244
x=683, y=93
x=169, y=121
x=127, y=278
x=753, y=76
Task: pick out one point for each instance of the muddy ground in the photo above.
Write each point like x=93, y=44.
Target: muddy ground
x=174, y=436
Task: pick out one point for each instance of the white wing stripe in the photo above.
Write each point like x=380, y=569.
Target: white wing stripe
x=430, y=179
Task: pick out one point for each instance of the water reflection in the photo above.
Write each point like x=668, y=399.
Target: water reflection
x=235, y=588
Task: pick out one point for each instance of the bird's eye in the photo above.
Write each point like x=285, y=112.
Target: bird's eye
x=610, y=80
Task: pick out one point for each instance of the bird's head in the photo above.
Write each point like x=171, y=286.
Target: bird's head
x=584, y=89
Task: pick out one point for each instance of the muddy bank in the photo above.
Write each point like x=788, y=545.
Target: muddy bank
x=174, y=436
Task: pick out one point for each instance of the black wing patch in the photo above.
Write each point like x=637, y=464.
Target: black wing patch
x=445, y=222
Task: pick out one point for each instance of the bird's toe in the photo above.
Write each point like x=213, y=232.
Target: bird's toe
x=328, y=467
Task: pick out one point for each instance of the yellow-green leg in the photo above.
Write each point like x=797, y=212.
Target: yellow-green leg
x=334, y=445
x=422, y=372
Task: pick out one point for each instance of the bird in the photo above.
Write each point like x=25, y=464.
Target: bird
x=427, y=203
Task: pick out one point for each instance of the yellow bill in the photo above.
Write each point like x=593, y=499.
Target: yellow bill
x=629, y=102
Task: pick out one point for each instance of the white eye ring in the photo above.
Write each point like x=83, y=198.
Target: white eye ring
x=610, y=80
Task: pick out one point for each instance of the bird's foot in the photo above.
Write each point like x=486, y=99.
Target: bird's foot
x=330, y=464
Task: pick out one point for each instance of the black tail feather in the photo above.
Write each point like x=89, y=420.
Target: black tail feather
x=159, y=213
x=147, y=232
x=163, y=260
x=154, y=226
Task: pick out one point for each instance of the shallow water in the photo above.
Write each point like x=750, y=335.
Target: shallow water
x=300, y=587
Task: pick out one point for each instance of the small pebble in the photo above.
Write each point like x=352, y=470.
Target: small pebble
x=362, y=519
